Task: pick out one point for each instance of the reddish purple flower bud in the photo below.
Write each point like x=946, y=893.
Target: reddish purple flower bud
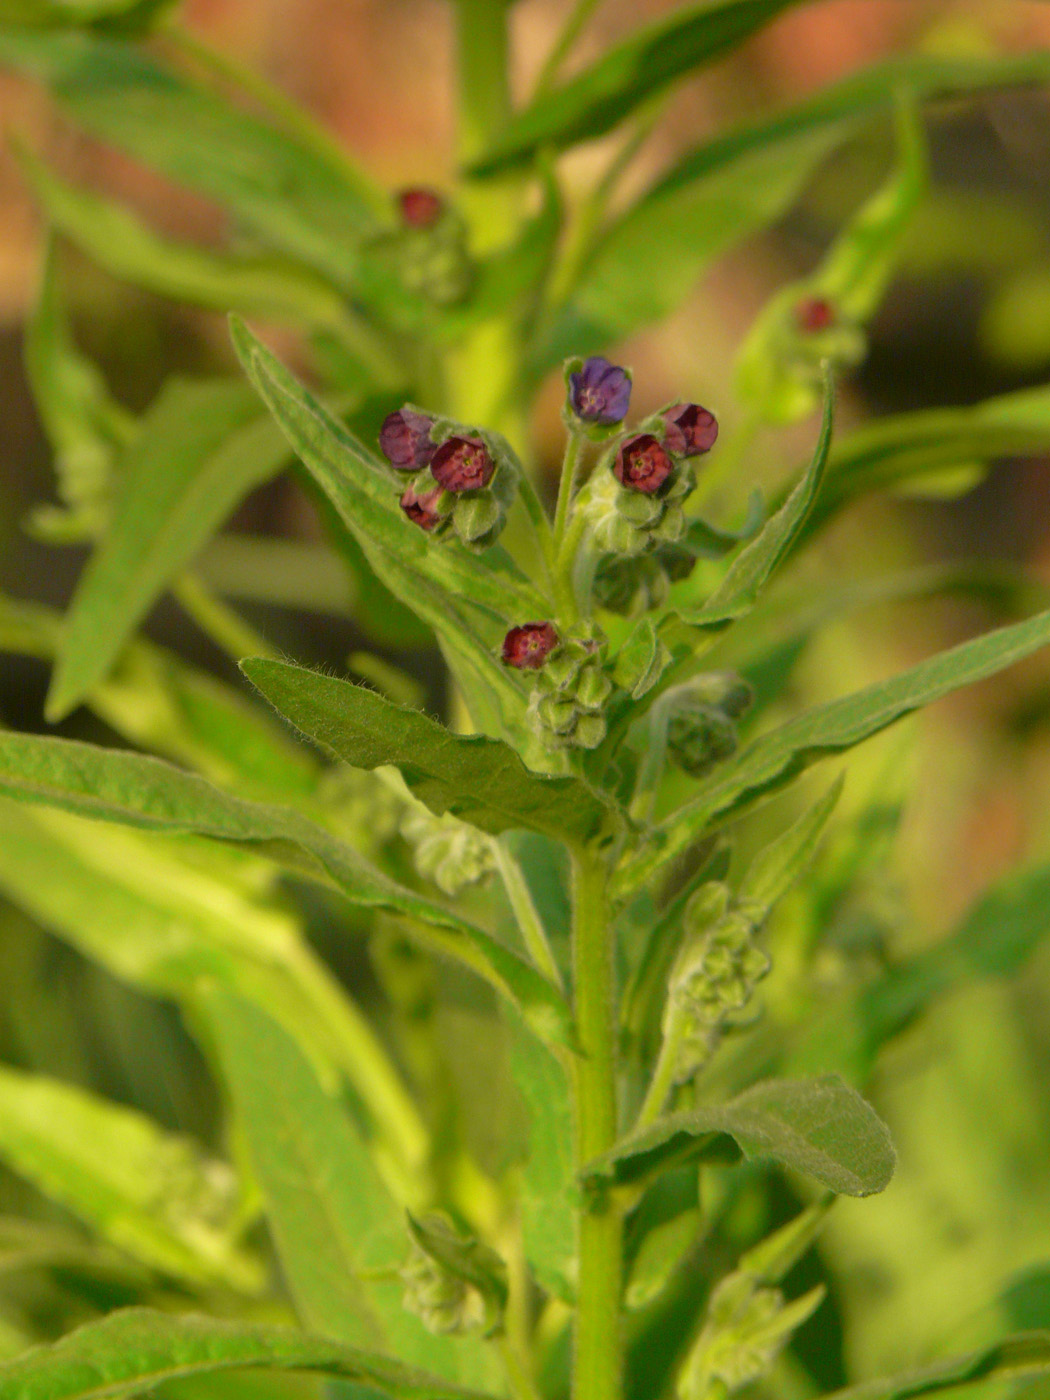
x=528, y=646
x=600, y=392
x=404, y=440
x=642, y=464
x=691, y=429
x=420, y=507
x=420, y=207
x=814, y=314
x=462, y=464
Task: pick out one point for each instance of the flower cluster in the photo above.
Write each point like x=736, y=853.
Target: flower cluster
x=452, y=853
x=701, y=730
x=445, y=1304
x=431, y=247
x=461, y=480
x=571, y=687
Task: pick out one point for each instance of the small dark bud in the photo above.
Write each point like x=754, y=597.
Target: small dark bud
x=642, y=464
x=690, y=430
x=600, y=392
x=814, y=314
x=404, y=440
x=420, y=207
x=462, y=464
x=421, y=507
x=528, y=646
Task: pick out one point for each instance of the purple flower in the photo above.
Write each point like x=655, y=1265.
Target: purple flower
x=420, y=207
x=642, y=464
x=462, y=464
x=421, y=507
x=528, y=646
x=815, y=314
x=600, y=392
x=404, y=440
x=690, y=429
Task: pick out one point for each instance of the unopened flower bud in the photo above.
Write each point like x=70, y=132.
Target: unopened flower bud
x=589, y=732
x=404, y=440
x=600, y=392
x=815, y=314
x=421, y=507
x=420, y=207
x=593, y=688
x=462, y=464
x=691, y=430
x=642, y=464
x=476, y=518
x=528, y=646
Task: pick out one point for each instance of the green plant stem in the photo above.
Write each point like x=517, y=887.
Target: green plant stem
x=597, y=1362
x=522, y=1386
x=662, y=1081
x=286, y=113
x=564, y=43
x=566, y=567
x=529, y=921
x=541, y=529
x=226, y=628
x=566, y=486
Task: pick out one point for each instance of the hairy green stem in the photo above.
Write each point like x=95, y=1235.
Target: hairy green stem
x=566, y=486
x=662, y=1081
x=597, y=1360
x=529, y=921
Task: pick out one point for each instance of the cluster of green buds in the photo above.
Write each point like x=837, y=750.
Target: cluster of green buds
x=452, y=853
x=714, y=976
x=430, y=247
x=453, y=1282
x=462, y=480
x=363, y=806
x=571, y=686
x=701, y=727
x=634, y=584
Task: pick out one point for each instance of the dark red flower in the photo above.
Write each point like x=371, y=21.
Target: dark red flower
x=691, y=429
x=600, y=392
x=642, y=464
x=462, y=464
x=814, y=314
x=404, y=440
x=528, y=646
x=420, y=207
x=420, y=507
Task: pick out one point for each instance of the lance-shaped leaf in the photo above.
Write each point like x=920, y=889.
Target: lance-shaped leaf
x=730, y=187
x=469, y=600
x=149, y=1192
x=777, y=757
x=311, y=205
x=757, y=561
x=198, y=451
x=135, y=790
x=599, y=98
x=820, y=1127
x=1013, y=1358
x=777, y=866
x=479, y=780
x=133, y=1350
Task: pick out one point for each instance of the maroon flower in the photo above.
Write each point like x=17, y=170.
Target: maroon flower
x=404, y=440
x=642, y=464
x=462, y=464
x=420, y=507
x=600, y=392
x=528, y=646
x=690, y=429
x=814, y=314
x=420, y=207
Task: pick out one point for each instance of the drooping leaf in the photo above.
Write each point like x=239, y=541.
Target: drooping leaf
x=820, y=1127
x=598, y=99
x=773, y=759
x=149, y=1192
x=340, y=1237
x=1024, y=1354
x=734, y=185
x=119, y=241
x=197, y=452
x=134, y=790
x=752, y=568
x=136, y=1349
x=479, y=780
x=294, y=198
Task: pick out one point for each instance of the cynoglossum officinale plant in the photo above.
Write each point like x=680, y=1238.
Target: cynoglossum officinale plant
x=576, y=1126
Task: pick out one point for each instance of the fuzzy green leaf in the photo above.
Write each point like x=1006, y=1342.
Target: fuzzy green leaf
x=134, y=790
x=820, y=1127
x=134, y=1350
x=479, y=780
x=149, y=1192
x=774, y=759
x=1024, y=1354
x=198, y=451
